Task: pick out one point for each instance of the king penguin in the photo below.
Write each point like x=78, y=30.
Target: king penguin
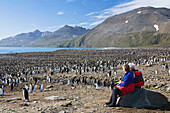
x=49, y=80
x=31, y=88
x=97, y=86
x=12, y=86
x=26, y=87
x=41, y=87
x=68, y=82
x=1, y=92
x=34, y=87
x=25, y=94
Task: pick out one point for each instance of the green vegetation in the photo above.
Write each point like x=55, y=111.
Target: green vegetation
x=78, y=42
x=11, y=100
x=143, y=39
x=7, y=101
x=146, y=86
x=19, y=99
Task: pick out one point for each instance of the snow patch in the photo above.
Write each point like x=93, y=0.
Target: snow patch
x=139, y=12
x=126, y=21
x=155, y=12
x=75, y=36
x=156, y=27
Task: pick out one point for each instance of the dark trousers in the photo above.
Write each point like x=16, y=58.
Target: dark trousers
x=116, y=92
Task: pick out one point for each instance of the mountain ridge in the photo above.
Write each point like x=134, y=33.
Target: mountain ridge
x=22, y=39
x=63, y=34
x=38, y=38
x=130, y=29
x=145, y=26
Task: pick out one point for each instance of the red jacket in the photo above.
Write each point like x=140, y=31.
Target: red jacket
x=127, y=83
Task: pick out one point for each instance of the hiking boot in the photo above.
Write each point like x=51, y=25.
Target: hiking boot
x=108, y=103
x=111, y=105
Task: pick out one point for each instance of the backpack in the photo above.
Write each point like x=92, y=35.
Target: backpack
x=138, y=79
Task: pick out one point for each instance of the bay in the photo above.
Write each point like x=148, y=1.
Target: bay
x=5, y=50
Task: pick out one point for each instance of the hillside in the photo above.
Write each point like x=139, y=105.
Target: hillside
x=139, y=27
x=23, y=39
x=49, y=39
x=63, y=34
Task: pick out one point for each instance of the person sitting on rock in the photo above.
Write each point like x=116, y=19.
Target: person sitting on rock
x=126, y=86
x=138, y=79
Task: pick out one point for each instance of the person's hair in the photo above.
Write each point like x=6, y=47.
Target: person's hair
x=126, y=67
x=132, y=65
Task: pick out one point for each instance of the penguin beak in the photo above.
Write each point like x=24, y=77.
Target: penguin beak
x=95, y=84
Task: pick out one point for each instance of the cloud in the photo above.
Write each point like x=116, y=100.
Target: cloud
x=125, y=7
x=83, y=23
x=121, y=8
x=55, y=27
x=60, y=13
x=73, y=25
x=70, y=0
x=101, y=16
x=96, y=23
x=89, y=14
x=62, y=25
x=52, y=28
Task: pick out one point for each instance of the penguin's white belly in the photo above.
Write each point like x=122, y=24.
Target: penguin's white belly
x=1, y=92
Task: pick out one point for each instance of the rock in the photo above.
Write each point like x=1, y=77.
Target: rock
x=168, y=89
x=156, y=87
x=13, y=102
x=24, y=104
x=48, y=90
x=133, y=52
x=141, y=98
x=66, y=104
x=11, y=99
x=54, y=98
x=40, y=109
x=35, y=102
x=62, y=112
x=49, y=86
x=72, y=87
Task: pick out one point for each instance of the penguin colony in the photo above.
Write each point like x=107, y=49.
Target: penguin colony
x=31, y=72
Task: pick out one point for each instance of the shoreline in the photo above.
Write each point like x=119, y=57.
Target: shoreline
x=13, y=50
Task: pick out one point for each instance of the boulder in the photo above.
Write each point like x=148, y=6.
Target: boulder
x=63, y=103
x=142, y=98
x=55, y=98
x=49, y=86
x=11, y=99
x=62, y=112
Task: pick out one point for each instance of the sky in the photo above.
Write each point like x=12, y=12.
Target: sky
x=22, y=16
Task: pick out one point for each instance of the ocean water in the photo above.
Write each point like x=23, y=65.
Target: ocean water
x=6, y=50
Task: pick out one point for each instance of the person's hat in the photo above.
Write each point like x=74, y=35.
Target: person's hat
x=132, y=65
